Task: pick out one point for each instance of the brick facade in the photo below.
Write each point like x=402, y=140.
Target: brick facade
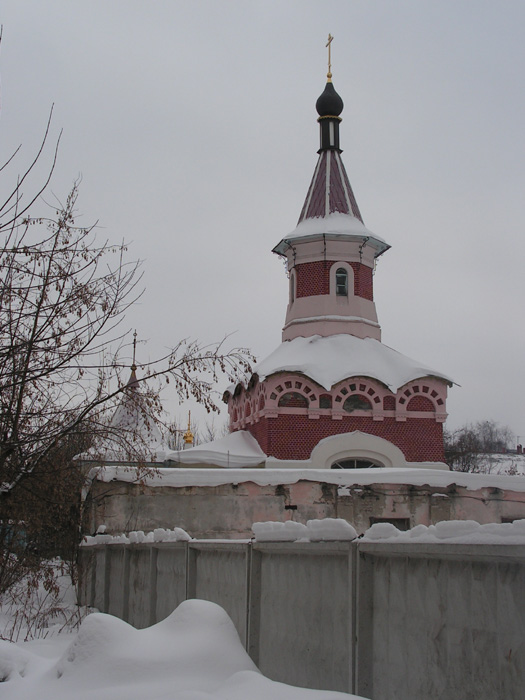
x=313, y=279
x=420, y=403
x=295, y=436
x=363, y=281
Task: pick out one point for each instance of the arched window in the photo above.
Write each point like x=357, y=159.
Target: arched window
x=352, y=463
x=356, y=403
x=292, y=288
x=341, y=282
x=292, y=399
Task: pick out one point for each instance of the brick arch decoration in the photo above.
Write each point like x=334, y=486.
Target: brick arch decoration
x=428, y=399
x=293, y=385
x=357, y=402
x=293, y=399
x=358, y=387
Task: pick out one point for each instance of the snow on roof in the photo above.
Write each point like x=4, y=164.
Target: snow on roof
x=336, y=225
x=329, y=360
x=233, y=451
x=344, y=478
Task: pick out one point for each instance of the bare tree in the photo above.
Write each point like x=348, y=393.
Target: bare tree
x=63, y=299
x=467, y=447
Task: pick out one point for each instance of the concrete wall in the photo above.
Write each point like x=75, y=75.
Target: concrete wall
x=388, y=621
x=441, y=622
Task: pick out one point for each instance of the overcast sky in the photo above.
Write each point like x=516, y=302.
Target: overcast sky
x=193, y=126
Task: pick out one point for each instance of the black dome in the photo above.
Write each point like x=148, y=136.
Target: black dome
x=329, y=104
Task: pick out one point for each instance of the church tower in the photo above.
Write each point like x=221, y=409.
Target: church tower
x=332, y=394
x=324, y=298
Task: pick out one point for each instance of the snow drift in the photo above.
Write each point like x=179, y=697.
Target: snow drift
x=194, y=653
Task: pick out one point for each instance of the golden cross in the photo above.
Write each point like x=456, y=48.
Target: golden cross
x=328, y=45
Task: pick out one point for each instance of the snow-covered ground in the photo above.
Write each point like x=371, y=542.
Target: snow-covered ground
x=40, y=606
x=509, y=463
x=194, y=654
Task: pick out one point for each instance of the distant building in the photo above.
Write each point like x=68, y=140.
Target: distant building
x=132, y=436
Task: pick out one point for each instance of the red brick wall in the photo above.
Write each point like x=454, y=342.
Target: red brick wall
x=294, y=437
x=420, y=403
x=313, y=278
x=363, y=281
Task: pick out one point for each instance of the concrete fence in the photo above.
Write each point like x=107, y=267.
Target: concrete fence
x=388, y=621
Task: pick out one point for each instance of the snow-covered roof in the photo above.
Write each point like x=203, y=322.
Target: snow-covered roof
x=329, y=360
x=239, y=449
x=339, y=477
x=334, y=225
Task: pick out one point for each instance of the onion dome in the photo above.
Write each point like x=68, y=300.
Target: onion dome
x=329, y=106
x=329, y=103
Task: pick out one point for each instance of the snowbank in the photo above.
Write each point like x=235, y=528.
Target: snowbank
x=193, y=653
x=325, y=530
x=289, y=531
x=451, y=531
x=137, y=537
x=329, y=360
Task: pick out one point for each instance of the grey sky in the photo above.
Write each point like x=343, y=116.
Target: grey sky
x=194, y=129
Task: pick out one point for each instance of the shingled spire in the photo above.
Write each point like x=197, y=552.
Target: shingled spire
x=330, y=189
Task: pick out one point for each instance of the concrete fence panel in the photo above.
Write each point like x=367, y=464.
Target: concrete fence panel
x=170, y=578
x=441, y=621
x=301, y=613
x=142, y=585
x=99, y=597
x=117, y=564
x=219, y=572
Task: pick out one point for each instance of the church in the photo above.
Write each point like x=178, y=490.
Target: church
x=332, y=395
x=333, y=423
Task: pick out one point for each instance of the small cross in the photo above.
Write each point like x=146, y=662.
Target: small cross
x=328, y=45
x=134, y=346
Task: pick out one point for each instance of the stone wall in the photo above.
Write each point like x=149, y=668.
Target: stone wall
x=228, y=510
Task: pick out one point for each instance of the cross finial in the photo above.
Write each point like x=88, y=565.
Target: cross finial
x=329, y=47
x=134, y=366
